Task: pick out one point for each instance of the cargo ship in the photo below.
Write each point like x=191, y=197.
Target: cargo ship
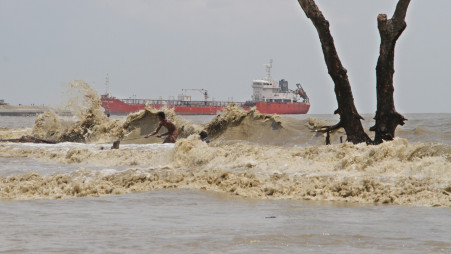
x=269, y=97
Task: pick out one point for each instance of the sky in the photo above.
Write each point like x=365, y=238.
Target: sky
x=155, y=48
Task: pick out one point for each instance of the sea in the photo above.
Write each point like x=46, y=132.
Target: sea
x=264, y=184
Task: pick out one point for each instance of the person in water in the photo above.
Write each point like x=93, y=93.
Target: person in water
x=172, y=132
x=204, y=137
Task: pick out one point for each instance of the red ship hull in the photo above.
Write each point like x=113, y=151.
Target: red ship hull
x=116, y=106
x=283, y=108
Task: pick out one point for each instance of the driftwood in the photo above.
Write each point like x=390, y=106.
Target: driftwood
x=387, y=119
x=29, y=139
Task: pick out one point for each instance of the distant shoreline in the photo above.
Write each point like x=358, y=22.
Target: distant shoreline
x=22, y=110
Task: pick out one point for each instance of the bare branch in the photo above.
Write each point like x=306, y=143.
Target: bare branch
x=401, y=10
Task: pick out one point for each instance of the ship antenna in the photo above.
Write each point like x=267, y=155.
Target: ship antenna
x=268, y=69
x=107, y=84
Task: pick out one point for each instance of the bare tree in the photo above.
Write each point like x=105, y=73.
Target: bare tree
x=387, y=118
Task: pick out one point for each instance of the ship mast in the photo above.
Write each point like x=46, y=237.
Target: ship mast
x=268, y=70
x=203, y=91
x=107, y=84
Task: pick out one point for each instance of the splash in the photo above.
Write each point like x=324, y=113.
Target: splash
x=49, y=126
x=93, y=126
x=83, y=100
x=90, y=123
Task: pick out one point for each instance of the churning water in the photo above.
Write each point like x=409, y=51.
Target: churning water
x=264, y=184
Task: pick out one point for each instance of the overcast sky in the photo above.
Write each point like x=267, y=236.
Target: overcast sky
x=153, y=48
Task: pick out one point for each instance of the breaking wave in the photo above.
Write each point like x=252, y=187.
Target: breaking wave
x=253, y=155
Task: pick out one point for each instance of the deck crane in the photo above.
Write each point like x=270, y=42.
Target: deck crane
x=203, y=91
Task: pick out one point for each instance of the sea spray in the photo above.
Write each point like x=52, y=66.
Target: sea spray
x=82, y=99
x=90, y=124
x=93, y=126
x=49, y=126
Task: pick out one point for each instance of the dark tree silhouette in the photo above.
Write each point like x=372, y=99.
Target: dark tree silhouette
x=387, y=119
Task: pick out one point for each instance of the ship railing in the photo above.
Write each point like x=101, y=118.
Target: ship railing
x=181, y=103
x=134, y=101
x=279, y=101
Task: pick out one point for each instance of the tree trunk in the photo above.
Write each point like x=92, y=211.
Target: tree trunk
x=349, y=117
x=387, y=119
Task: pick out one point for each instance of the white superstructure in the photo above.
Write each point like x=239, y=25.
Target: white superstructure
x=270, y=90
